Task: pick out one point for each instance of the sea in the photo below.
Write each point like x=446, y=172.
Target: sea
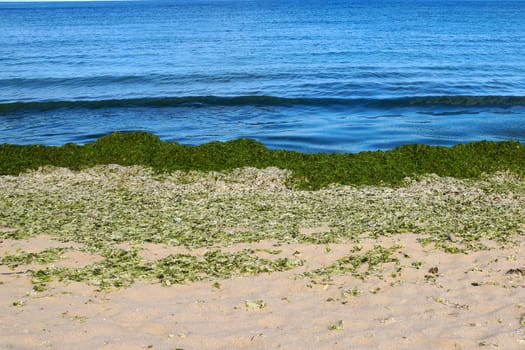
x=304, y=75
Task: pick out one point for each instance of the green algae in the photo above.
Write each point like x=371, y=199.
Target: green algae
x=110, y=205
x=23, y=258
x=339, y=326
x=359, y=264
x=121, y=268
x=309, y=171
x=183, y=200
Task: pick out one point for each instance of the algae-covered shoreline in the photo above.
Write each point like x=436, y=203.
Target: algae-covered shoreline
x=189, y=247
x=459, y=199
x=309, y=171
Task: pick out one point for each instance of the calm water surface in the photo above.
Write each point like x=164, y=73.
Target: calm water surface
x=313, y=76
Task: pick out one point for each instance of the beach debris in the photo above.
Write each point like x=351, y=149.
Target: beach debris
x=416, y=264
x=354, y=292
x=339, y=326
x=375, y=290
x=518, y=271
x=255, y=304
x=18, y=303
x=451, y=304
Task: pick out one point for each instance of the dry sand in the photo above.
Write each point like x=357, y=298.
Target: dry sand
x=430, y=299
x=473, y=300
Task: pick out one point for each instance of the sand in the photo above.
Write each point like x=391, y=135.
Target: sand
x=452, y=301
x=452, y=277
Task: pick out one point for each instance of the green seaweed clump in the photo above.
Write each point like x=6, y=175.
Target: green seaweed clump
x=121, y=268
x=44, y=257
x=359, y=265
x=309, y=171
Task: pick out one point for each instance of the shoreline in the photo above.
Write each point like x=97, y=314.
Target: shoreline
x=311, y=171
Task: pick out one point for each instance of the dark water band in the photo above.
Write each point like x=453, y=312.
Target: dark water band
x=270, y=101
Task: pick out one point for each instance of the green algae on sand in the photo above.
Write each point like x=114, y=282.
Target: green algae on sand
x=219, y=195
x=210, y=222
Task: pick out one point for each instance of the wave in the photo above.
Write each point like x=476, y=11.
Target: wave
x=261, y=101
x=104, y=80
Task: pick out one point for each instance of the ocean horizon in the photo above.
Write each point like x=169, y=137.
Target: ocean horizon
x=311, y=76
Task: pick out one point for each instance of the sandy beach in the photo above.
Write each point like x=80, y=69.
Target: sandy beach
x=370, y=291
x=263, y=175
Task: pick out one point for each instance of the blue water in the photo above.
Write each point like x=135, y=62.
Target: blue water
x=309, y=75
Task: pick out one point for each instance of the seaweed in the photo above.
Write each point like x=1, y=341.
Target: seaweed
x=309, y=171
